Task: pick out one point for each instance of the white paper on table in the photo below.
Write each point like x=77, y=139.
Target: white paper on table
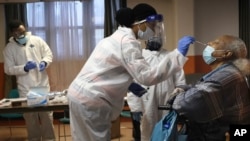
x=5, y=102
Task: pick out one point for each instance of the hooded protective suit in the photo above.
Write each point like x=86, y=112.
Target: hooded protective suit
x=15, y=58
x=96, y=94
x=157, y=94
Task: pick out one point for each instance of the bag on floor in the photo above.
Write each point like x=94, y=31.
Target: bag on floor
x=166, y=129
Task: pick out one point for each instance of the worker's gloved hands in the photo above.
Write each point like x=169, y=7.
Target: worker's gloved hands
x=30, y=65
x=183, y=44
x=42, y=66
x=136, y=116
x=137, y=89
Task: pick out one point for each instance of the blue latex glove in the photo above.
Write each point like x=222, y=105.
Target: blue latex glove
x=137, y=89
x=184, y=43
x=42, y=66
x=29, y=65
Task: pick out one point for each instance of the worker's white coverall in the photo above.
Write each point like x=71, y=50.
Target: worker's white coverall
x=96, y=94
x=157, y=94
x=15, y=58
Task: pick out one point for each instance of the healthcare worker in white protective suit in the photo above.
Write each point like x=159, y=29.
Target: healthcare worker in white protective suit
x=27, y=56
x=96, y=94
x=156, y=95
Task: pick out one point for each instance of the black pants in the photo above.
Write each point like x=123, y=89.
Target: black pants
x=136, y=122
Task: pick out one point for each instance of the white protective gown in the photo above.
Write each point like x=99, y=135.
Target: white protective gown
x=96, y=94
x=157, y=94
x=15, y=58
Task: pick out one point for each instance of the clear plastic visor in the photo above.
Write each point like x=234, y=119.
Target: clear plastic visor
x=159, y=37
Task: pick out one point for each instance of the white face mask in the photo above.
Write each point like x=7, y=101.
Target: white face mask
x=146, y=34
x=23, y=40
x=207, y=55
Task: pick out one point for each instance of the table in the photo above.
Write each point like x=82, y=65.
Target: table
x=115, y=129
x=25, y=108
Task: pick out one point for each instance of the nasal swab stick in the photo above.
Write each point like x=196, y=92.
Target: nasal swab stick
x=201, y=43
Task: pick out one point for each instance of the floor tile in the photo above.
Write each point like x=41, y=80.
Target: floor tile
x=19, y=134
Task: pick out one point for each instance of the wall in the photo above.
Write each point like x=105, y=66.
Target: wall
x=212, y=18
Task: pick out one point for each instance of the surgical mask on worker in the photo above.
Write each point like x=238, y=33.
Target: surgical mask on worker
x=22, y=40
x=145, y=35
x=207, y=55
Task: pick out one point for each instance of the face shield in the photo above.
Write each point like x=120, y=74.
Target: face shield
x=155, y=23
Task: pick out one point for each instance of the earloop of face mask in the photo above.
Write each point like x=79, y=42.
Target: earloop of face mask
x=140, y=32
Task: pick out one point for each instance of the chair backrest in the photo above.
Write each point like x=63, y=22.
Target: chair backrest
x=13, y=94
x=125, y=114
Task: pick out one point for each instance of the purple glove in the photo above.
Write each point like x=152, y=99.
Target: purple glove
x=183, y=44
x=29, y=65
x=42, y=66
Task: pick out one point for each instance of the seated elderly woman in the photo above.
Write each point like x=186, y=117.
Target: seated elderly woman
x=221, y=97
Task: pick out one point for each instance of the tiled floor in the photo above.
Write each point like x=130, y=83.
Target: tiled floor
x=19, y=134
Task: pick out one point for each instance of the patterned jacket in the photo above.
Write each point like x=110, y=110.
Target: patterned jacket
x=219, y=99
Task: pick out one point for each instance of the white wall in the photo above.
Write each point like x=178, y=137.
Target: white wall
x=214, y=18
